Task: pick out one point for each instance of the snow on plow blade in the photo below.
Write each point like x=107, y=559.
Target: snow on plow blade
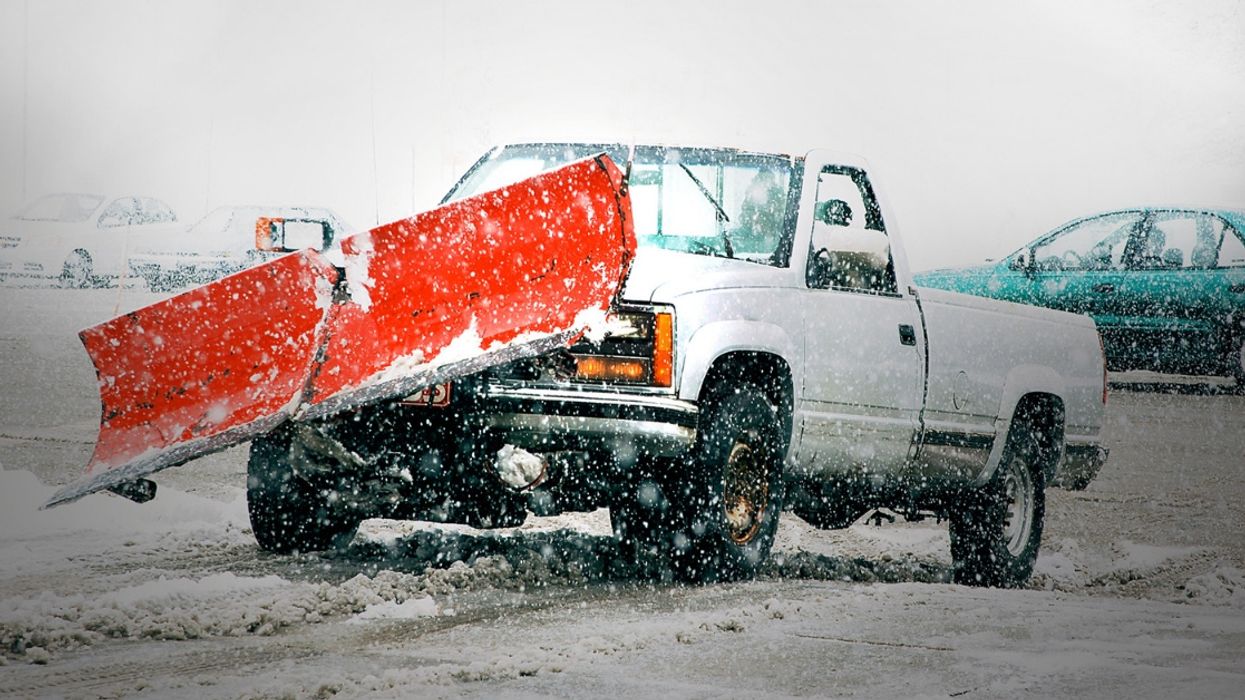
x=475, y=283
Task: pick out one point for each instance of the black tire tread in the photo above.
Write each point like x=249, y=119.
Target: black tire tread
x=978, y=552
x=287, y=513
x=680, y=524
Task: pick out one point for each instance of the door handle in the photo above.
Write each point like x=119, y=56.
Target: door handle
x=1237, y=288
x=1105, y=288
x=907, y=334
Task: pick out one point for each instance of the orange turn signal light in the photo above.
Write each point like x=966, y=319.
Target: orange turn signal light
x=621, y=369
x=663, y=349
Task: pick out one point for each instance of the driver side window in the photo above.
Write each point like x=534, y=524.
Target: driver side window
x=1232, y=252
x=1095, y=244
x=850, y=250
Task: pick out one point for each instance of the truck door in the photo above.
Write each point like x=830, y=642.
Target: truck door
x=863, y=341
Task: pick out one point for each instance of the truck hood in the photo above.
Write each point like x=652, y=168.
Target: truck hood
x=662, y=275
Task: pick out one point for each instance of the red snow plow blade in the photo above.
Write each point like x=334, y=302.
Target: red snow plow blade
x=479, y=282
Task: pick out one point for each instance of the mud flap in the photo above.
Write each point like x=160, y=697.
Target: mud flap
x=509, y=273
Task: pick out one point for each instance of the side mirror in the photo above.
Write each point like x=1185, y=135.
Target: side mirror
x=280, y=235
x=833, y=212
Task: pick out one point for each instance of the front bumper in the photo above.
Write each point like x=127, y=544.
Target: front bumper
x=544, y=420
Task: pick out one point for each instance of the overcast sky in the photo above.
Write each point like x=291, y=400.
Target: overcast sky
x=986, y=122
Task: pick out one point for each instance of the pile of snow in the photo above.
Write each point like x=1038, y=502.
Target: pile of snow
x=82, y=573
x=406, y=610
x=34, y=541
x=1223, y=586
x=21, y=495
x=213, y=606
x=864, y=552
x=1066, y=565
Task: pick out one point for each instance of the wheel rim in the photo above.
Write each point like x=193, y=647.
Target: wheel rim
x=1018, y=499
x=746, y=493
x=77, y=271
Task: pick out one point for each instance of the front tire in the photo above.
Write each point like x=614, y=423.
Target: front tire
x=288, y=513
x=996, y=532
x=725, y=513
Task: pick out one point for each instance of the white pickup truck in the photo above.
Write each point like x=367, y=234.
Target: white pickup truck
x=768, y=350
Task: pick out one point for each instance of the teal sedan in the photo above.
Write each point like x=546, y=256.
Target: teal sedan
x=1166, y=285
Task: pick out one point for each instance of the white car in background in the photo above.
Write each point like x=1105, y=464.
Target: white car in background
x=226, y=241
x=80, y=240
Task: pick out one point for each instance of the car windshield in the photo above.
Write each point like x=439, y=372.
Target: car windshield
x=67, y=208
x=214, y=223
x=719, y=202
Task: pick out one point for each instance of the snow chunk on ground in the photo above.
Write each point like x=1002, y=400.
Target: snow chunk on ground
x=1066, y=564
x=519, y=468
x=407, y=610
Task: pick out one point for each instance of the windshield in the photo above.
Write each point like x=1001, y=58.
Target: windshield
x=706, y=201
x=68, y=208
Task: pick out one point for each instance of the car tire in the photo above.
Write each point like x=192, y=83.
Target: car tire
x=158, y=284
x=996, y=530
x=1237, y=364
x=288, y=513
x=77, y=272
x=722, y=517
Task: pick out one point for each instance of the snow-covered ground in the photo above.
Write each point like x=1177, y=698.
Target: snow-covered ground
x=1139, y=591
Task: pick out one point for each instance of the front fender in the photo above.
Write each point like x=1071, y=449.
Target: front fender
x=713, y=340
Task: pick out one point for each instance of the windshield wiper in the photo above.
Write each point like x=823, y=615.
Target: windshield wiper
x=722, y=217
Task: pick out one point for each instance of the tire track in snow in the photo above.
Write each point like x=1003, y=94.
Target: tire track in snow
x=114, y=671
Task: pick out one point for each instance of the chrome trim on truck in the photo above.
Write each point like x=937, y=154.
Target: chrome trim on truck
x=551, y=419
x=953, y=454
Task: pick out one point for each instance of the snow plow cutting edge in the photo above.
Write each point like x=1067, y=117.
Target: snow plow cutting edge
x=509, y=273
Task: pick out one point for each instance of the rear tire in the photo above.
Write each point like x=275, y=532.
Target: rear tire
x=718, y=521
x=288, y=513
x=996, y=531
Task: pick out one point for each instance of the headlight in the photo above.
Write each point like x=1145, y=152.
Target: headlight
x=639, y=349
